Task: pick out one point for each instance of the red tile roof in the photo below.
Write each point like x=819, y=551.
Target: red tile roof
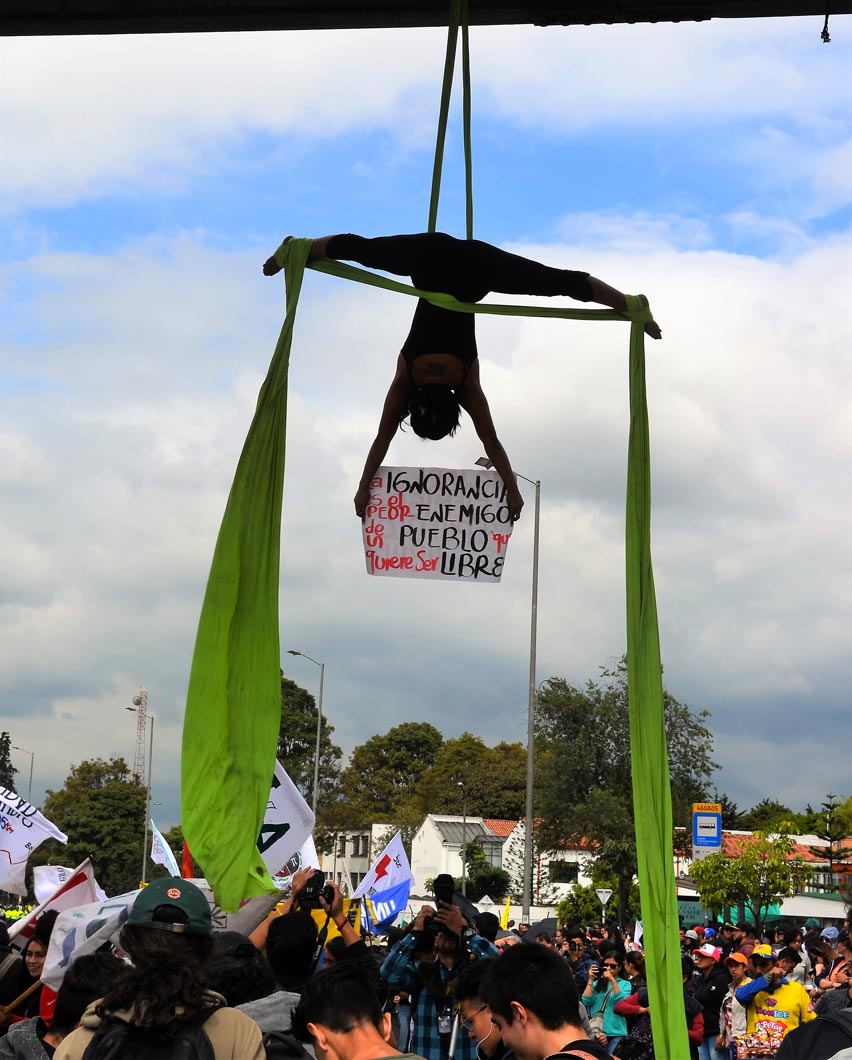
x=734, y=843
x=503, y=829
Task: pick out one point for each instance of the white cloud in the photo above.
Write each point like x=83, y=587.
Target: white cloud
x=115, y=470
x=95, y=115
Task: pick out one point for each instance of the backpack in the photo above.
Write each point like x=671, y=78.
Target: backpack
x=116, y=1039
x=281, y=1046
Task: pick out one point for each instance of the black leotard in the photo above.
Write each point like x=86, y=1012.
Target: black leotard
x=468, y=269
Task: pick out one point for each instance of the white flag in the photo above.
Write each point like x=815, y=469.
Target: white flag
x=161, y=852
x=79, y=888
x=22, y=829
x=389, y=869
x=47, y=879
x=288, y=822
x=304, y=858
x=83, y=930
x=346, y=881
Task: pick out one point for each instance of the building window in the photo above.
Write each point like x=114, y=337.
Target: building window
x=365, y=846
x=341, y=847
x=563, y=871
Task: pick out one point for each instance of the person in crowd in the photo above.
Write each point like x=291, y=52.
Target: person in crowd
x=803, y=971
x=689, y=942
x=162, y=997
x=744, y=940
x=634, y=968
x=581, y=955
x=10, y=966
x=710, y=988
x=28, y=974
x=604, y=990
x=543, y=939
x=475, y=1015
x=430, y=983
x=289, y=937
x=487, y=925
x=535, y=1007
x=437, y=371
x=725, y=939
x=821, y=957
x=636, y=1009
x=733, y=1019
x=87, y=979
x=833, y=986
x=824, y=1038
x=774, y=1005
x=238, y=970
x=340, y=1015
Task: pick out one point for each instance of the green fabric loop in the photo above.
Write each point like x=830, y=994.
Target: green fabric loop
x=233, y=704
x=446, y=301
x=649, y=756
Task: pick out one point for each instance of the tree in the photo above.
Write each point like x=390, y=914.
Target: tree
x=101, y=809
x=385, y=771
x=762, y=873
x=767, y=815
x=731, y=813
x=297, y=742
x=493, y=778
x=584, y=789
x=483, y=878
x=7, y=770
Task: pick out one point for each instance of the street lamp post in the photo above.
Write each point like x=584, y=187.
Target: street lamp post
x=483, y=461
x=321, y=665
x=32, y=759
x=464, y=839
x=151, y=718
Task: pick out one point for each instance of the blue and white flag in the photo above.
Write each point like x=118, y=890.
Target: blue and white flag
x=380, y=910
x=161, y=852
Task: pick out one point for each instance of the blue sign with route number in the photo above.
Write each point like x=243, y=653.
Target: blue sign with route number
x=707, y=829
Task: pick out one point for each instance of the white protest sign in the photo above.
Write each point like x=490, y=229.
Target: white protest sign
x=22, y=829
x=287, y=823
x=435, y=522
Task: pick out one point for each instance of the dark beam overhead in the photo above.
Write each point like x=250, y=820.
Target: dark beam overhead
x=60, y=17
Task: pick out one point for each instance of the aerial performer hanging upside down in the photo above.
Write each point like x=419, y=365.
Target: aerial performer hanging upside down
x=437, y=371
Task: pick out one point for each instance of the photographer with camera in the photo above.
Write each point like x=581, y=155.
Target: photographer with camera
x=291, y=942
x=425, y=965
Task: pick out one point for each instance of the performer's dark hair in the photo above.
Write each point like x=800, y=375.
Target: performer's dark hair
x=433, y=412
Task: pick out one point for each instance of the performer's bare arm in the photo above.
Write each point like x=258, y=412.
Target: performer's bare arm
x=475, y=403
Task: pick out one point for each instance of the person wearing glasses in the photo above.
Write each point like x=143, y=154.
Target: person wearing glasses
x=580, y=956
x=607, y=986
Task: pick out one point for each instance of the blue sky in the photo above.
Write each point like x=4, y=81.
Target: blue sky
x=144, y=182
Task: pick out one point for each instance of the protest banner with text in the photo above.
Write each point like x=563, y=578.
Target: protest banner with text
x=435, y=522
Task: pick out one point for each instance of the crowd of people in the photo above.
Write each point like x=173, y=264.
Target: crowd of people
x=449, y=986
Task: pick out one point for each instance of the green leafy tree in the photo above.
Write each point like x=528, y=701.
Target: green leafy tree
x=764, y=872
x=731, y=813
x=483, y=878
x=101, y=808
x=767, y=815
x=297, y=741
x=494, y=779
x=584, y=784
x=7, y=770
x=384, y=772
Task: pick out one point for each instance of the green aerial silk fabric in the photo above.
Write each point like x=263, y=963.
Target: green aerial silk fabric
x=652, y=798
x=233, y=705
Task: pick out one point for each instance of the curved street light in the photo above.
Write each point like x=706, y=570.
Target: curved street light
x=321, y=665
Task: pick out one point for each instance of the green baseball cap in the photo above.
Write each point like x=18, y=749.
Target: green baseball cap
x=182, y=895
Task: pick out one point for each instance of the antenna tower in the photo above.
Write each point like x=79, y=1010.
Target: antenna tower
x=140, y=702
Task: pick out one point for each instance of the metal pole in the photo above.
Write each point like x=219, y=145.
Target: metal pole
x=32, y=759
x=528, y=826
x=148, y=801
x=319, y=734
x=464, y=841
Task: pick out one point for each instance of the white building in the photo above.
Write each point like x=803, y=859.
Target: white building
x=437, y=847
x=355, y=850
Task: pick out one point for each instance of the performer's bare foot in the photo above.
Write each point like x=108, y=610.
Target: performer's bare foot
x=652, y=328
